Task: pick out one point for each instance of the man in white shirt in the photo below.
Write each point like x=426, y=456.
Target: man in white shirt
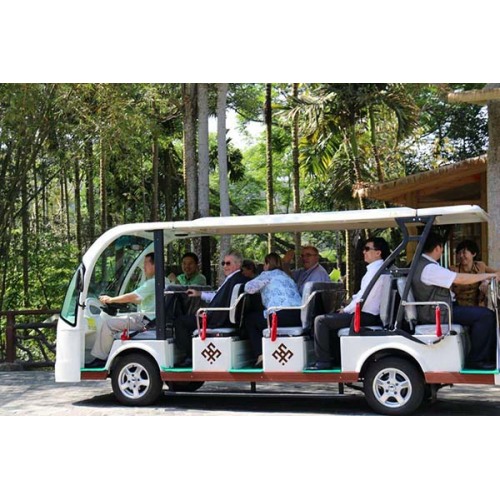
x=432, y=282
x=376, y=250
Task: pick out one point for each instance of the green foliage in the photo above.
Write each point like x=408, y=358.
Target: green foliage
x=52, y=263
x=349, y=134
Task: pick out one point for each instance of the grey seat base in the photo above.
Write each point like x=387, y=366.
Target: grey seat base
x=288, y=331
x=217, y=332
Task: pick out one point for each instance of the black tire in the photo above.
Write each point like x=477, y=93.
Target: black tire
x=394, y=386
x=184, y=386
x=136, y=381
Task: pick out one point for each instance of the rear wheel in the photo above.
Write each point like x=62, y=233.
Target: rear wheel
x=136, y=380
x=184, y=386
x=394, y=386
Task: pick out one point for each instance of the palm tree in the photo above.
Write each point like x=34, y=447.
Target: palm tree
x=339, y=134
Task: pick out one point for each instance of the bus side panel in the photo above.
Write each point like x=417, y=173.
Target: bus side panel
x=68, y=355
x=445, y=356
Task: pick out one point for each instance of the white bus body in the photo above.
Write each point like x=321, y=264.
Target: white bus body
x=395, y=368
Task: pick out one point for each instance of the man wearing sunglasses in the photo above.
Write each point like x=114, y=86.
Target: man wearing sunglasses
x=312, y=270
x=326, y=340
x=185, y=325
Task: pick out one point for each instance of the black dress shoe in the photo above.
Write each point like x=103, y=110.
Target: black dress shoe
x=481, y=365
x=96, y=363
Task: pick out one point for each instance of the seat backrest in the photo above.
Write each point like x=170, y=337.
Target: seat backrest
x=235, y=312
x=410, y=312
x=328, y=298
x=387, y=300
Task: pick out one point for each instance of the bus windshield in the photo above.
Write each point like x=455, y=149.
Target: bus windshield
x=118, y=266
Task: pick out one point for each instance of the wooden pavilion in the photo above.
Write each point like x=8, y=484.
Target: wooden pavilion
x=462, y=183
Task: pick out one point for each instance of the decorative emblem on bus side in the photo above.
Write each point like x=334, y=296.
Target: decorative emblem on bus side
x=283, y=354
x=211, y=353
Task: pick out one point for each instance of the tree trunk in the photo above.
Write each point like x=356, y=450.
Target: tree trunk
x=78, y=210
x=155, y=194
x=203, y=153
x=222, y=89
x=296, y=168
x=169, y=185
x=189, y=140
x=202, y=246
x=35, y=201
x=269, y=161
x=25, y=242
x=45, y=209
x=66, y=205
x=373, y=136
x=349, y=278
x=102, y=183
x=4, y=263
x=89, y=175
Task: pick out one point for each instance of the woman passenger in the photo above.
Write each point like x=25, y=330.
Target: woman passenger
x=470, y=295
x=277, y=289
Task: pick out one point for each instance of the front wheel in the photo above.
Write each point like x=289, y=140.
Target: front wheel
x=136, y=380
x=394, y=386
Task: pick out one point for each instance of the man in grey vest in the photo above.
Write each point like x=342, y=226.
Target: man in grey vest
x=432, y=282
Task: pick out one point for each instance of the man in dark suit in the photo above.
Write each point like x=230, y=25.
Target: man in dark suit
x=185, y=325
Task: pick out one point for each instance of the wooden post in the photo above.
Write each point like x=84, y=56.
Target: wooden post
x=494, y=183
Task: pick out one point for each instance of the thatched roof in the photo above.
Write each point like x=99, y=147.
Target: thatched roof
x=453, y=183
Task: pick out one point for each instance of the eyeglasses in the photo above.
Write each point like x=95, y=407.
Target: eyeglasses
x=227, y=263
x=367, y=248
x=308, y=255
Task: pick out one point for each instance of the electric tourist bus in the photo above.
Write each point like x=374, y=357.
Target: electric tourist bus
x=397, y=366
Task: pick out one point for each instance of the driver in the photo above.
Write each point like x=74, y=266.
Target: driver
x=143, y=296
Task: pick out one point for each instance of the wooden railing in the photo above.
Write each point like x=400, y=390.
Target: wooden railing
x=29, y=343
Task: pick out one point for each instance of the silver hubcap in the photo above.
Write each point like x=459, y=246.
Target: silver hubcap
x=392, y=388
x=133, y=380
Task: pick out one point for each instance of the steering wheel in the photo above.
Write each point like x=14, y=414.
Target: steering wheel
x=93, y=306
